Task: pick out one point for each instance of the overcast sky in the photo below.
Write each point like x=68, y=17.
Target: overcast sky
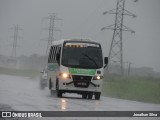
x=82, y=19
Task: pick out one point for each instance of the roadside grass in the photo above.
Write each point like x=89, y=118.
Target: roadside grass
x=20, y=72
x=144, y=89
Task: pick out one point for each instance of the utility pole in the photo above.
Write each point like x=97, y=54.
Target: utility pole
x=129, y=68
x=116, y=48
x=13, y=58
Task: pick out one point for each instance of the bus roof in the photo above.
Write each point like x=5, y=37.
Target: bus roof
x=59, y=42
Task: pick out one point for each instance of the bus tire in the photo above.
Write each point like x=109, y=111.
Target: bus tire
x=59, y=93
x=97, y=95
x=90, y=95
x=57, y=84
x=84, y=96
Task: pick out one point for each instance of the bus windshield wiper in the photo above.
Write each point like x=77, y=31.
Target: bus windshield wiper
x=91, y=59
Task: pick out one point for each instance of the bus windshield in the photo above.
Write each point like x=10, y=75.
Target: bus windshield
x=83, y=55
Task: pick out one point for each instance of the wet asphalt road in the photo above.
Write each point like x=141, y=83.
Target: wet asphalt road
x=20, y=93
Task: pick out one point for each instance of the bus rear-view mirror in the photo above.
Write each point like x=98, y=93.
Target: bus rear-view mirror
x=106, y=60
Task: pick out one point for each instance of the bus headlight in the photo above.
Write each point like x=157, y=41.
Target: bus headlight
x=97, y=77
x=65, y=75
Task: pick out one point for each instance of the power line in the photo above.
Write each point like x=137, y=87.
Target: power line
x=116, y=48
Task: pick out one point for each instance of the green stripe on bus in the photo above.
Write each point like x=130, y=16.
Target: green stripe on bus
x=82, y=71
x=52, y=66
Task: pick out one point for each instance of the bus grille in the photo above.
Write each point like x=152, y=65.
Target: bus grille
x=81, y=81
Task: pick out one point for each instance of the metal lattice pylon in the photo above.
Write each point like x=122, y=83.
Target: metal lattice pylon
x=13, y=57
x=52, y=18
x=116, y=48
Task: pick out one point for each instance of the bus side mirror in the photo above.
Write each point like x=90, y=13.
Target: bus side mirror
x=106, y=60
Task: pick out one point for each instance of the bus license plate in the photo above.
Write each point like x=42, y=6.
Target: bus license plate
x=81, y=83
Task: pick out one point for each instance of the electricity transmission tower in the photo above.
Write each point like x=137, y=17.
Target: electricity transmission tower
x=52, y=18
x=116, y=48
x=13, y=58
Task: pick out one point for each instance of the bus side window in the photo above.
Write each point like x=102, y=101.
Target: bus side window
x=58, y=55
x=53, y=55
x=50, y=55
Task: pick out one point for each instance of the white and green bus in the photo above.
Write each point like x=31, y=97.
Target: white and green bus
x=76, y=66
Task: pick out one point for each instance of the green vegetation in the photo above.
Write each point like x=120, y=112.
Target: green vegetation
x=145, y=89
x=19, y=72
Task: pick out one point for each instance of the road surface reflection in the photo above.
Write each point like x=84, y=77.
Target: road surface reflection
x=63, y=104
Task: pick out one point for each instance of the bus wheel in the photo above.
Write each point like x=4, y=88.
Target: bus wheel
x=90, y=95
x=84, y=96
x=59, y=93
x=97, y=95
x=57, y=86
